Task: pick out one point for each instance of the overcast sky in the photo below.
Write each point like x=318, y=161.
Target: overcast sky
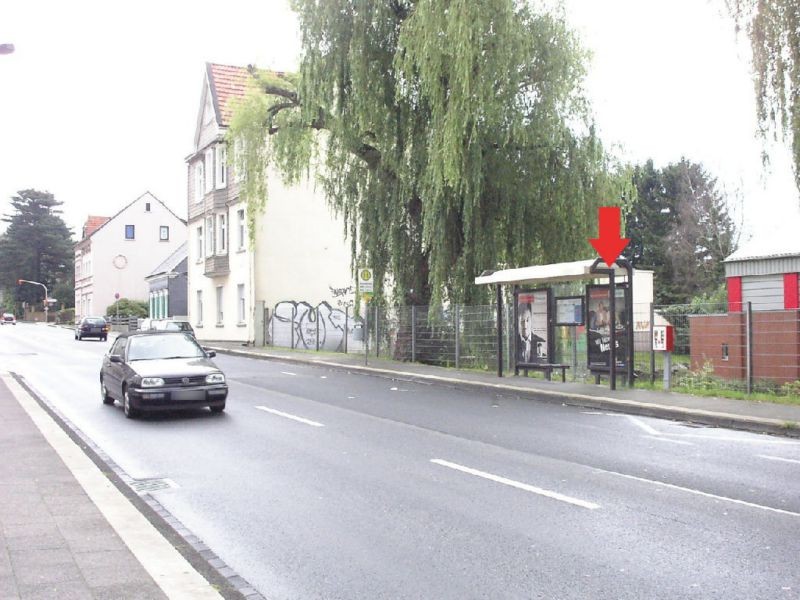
x=99, y=102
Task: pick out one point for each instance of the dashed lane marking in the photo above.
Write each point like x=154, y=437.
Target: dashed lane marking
x=288, y=416
x=778, y=458
x=517, y=484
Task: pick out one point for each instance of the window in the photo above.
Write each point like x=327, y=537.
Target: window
x=222, y=233
x=199, y=243
x=77, y=269
x=240, y=228
x=130, y=232
x=200, y=308
x=210, y=236
x=209, y=170
x=222, y=167
x=240, y=303
x=146, y=207
x=198, y=181
x=163, y=233
x=219, y=305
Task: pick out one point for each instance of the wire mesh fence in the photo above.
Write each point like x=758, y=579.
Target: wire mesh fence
x=713, y=348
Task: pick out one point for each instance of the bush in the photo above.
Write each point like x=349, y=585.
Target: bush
x=66, y=315
x=129, y=308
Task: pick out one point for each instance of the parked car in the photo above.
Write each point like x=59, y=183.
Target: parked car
x=171, y=325
x=8, y=319
x=92, y=327
x=161, y=370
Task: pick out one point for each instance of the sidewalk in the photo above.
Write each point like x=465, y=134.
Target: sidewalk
x=56, y=513
x=761, y=417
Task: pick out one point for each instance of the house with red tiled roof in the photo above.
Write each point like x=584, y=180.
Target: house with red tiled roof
x=299, y=259
x=116, y=253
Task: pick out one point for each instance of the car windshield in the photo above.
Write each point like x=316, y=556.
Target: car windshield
x=153, y=347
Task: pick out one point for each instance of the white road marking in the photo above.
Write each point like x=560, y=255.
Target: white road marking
x=761, y=439
x=517, y=484
x=642, y=425
x=663, y=439
x=288, y=416
x=789, y=460
x=288, y=373
x=699, y=493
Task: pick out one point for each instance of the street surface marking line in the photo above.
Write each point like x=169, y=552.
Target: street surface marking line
x=658, y=438
x=288, y=373
x=517, y=484
x=642, y=425
x=288, y=416
x=778, y=458
x=763, y=439
x=171, y=571
x=699, y=493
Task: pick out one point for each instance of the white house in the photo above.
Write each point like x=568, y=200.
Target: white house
x=300, y=259
x=116, y=253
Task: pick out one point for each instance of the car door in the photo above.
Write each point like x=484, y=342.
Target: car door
x=113, y=372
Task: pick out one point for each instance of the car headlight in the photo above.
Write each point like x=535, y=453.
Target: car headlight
x=152, y=381
x=215, y=378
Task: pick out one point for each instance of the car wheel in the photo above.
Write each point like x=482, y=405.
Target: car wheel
x=127, y=407
x=104, y=393
x=217, y=409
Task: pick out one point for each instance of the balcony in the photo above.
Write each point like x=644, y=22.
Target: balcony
x=217, y=265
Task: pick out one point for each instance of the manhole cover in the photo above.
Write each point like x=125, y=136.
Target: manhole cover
x=146, y=486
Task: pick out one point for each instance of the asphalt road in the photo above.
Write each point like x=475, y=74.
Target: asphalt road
x=318, y=483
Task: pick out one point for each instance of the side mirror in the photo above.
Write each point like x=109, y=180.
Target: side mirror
x=115, y=358
x=210, y=353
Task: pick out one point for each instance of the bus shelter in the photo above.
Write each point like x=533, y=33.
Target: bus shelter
x=605, y=309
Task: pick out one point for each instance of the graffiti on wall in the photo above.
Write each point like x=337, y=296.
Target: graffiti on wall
x=299, y=325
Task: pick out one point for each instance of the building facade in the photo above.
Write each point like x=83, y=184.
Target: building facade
x=117, y=253
x=299, y=253
x=762, y=344
x=168, y=285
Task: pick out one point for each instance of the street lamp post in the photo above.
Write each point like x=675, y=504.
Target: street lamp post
x=46, y=295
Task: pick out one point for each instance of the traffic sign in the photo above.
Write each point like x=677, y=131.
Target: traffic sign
x=365, y=281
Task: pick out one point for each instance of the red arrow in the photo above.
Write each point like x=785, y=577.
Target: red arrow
x=609, y=244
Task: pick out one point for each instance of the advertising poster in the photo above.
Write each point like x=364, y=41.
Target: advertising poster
x=598, y=328
x=531, y=327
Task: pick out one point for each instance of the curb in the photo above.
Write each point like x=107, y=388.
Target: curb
x=228, y=584
x=661, y=411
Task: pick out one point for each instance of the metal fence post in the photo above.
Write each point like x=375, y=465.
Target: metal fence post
x=272, y=337
x=346, y=326
x=377, y=339
x=458, y=330
x=317, y=327
x=294, y=310
x=413, y=333
x=749, y=343
x=652, y=352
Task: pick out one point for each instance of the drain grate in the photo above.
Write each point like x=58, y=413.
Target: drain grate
x=146, y=486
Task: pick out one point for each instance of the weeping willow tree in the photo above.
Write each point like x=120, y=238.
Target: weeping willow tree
x=773, y=27
x=451, y=135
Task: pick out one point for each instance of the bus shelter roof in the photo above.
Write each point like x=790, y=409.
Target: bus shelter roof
x=558, y=272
